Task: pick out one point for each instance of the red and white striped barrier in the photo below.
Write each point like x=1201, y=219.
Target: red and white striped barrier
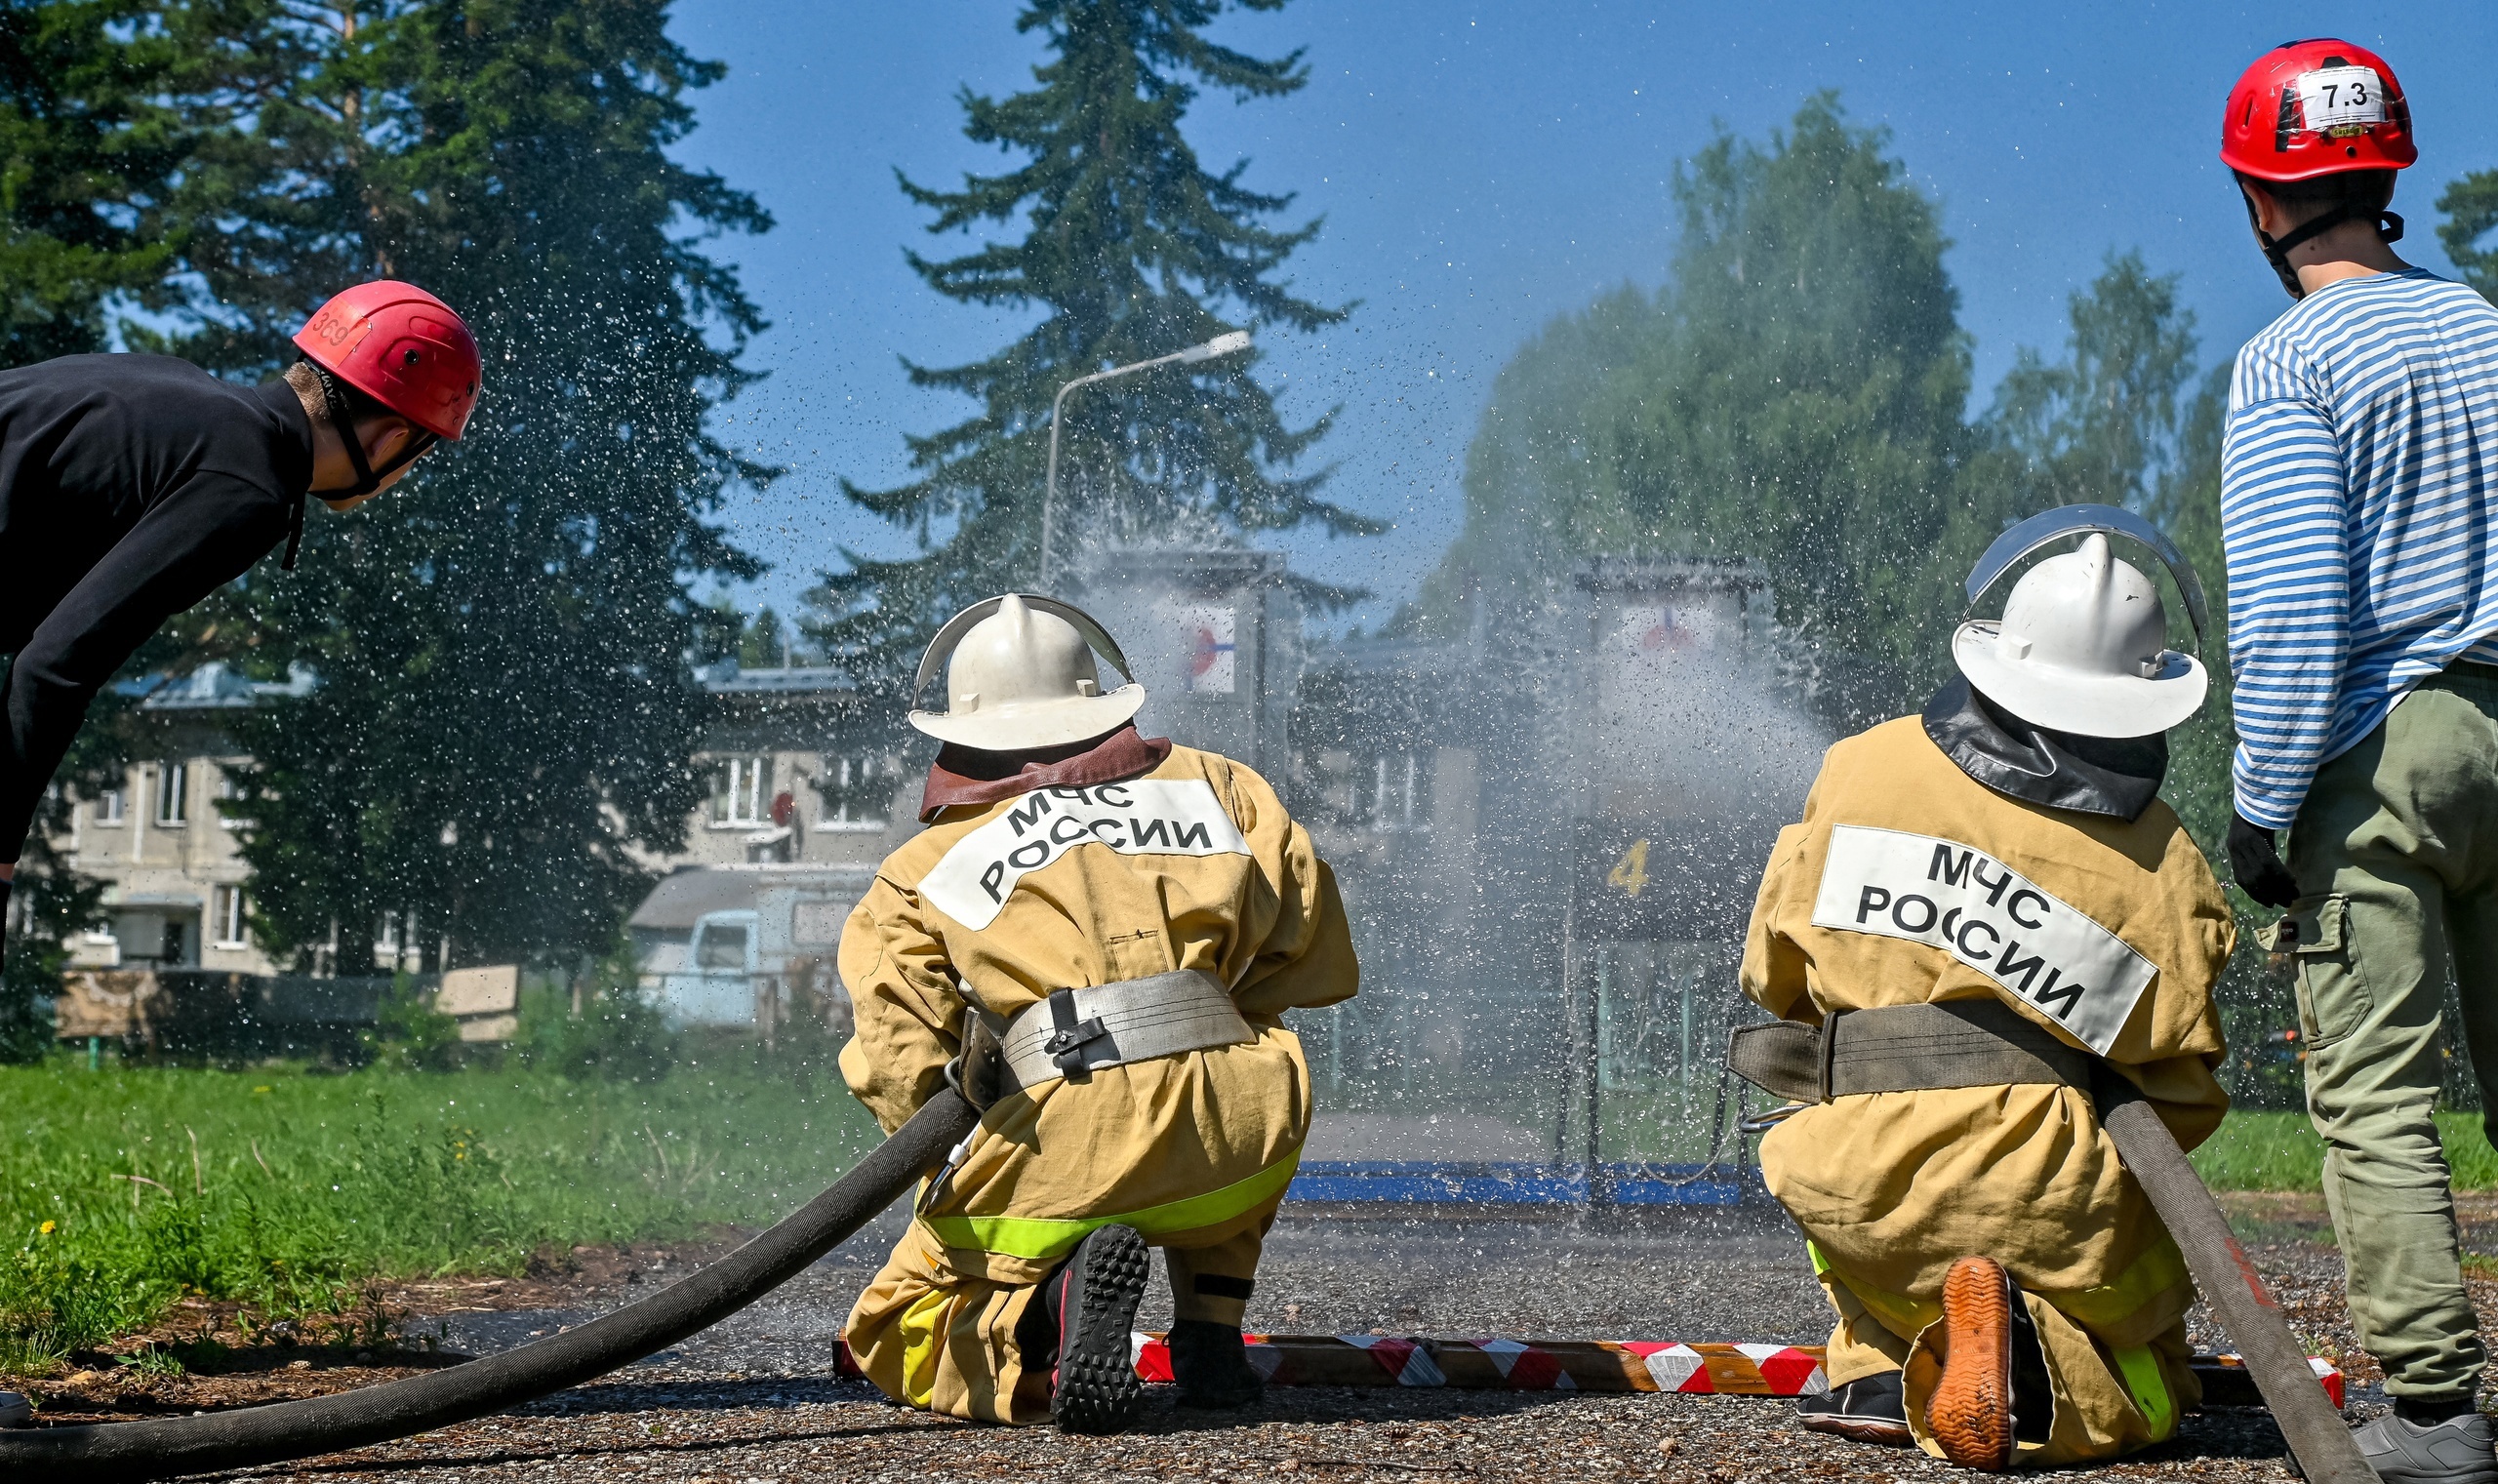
x=1701, y=1369
x=1518, y=1365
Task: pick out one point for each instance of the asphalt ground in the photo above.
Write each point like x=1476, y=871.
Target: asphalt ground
x=756, y=1399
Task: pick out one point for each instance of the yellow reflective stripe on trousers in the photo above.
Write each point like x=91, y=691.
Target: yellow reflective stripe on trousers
x=1898, y=1312
x=2148, y=1384
x=923, y=1338
x=1043, y=1238
x=2161, y=1269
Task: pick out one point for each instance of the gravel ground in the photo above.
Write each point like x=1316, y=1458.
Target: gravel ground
x=755, y=1399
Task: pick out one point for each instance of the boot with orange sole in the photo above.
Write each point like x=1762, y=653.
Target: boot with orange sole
x=1971, y=1411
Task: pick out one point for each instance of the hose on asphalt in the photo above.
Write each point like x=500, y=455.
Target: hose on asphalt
x=247, y=1437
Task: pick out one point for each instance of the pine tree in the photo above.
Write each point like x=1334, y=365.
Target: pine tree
x=1132, y=248
x=504, y=712
x=87, y=148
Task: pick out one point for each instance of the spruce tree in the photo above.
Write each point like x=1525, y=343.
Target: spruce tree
x=504, y=715
x=89, y=144
x=1134, y=249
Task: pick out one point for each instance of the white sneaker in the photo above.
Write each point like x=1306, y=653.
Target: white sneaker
x=2456, y=1451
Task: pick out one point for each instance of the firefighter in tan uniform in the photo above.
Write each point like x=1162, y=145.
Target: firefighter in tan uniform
x=1128, y=919
x=2006, y=1293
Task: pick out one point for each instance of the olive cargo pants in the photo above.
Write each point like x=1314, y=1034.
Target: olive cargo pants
x=2395, y=852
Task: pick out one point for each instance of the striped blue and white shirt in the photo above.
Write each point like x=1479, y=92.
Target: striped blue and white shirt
x=2360, y=507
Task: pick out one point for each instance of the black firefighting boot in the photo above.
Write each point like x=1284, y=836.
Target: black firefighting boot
x=1211, y=1363
x=1870, y=1409
x=1092, y=1305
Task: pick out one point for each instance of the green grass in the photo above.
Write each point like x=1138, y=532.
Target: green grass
x=126, y=1188
x=2280, y=1152
x=123, y=1190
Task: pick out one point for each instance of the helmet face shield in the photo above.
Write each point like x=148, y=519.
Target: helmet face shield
x=2081, y=647
x=941, y=648
x=2048, y=527
x=1020, y=675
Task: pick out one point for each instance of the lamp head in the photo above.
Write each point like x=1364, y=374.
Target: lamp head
x=1229, y=342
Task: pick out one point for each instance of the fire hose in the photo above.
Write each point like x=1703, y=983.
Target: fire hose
x=247, y=1437
x=1984, y=1043
x=2309, y=1421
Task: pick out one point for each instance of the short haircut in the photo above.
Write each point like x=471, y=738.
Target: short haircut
x=361, y=408
x=2371, y=191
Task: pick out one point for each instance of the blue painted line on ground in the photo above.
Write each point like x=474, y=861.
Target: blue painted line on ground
x=1499, y=1182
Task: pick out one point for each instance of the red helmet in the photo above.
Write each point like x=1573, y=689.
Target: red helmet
x=2321, y=108
x=401, y=346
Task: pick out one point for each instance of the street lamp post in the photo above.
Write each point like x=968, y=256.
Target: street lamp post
x=1230, y=343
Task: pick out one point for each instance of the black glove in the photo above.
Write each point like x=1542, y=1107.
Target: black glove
x=979, y=1071
x=2257, y=863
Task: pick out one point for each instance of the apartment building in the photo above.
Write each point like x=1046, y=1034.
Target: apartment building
x=174, y=894
x=800, y=772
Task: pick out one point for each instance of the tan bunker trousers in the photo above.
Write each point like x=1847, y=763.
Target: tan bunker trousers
x=1194, y=866
x=1892, y=1186
x=949, y=1330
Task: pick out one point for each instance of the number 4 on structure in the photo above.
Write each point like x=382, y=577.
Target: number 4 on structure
x=1631, y=872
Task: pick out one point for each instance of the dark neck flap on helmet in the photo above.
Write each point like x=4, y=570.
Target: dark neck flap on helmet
x=2114, y=776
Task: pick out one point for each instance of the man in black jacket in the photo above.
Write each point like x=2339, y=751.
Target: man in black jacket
x=132, y=486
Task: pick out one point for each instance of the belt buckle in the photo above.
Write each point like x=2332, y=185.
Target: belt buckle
x=1068, y=1036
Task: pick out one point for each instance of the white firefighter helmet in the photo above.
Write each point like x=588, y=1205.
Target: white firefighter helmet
x=1022, y=676
x=2082, y=643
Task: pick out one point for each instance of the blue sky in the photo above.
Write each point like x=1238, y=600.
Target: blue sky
x=1484, y=168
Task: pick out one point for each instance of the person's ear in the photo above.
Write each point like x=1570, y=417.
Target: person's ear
x=2272, y=217
x=385, y=439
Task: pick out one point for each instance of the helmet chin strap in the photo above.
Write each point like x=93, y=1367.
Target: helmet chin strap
x=2277, y=250
x=367, y=478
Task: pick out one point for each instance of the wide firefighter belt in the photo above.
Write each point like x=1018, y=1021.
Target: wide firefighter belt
x=1905, y=1048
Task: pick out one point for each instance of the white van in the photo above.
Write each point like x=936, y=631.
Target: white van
x=749, y=947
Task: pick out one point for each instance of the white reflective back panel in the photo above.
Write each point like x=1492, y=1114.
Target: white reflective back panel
x=1149, y=817
x=2046, y=950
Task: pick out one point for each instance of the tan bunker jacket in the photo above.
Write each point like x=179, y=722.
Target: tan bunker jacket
x=1909, y=882
x=1192, y=865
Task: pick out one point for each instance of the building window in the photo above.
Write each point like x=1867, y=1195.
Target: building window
x=226, y=903
x=229, y=799
x=396, y=942
x=1393, y=791
x=722, y=948
x=855, y=792
x=172, y=795
x=110, y=807
x=741, y=790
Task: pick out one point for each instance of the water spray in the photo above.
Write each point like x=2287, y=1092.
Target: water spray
x=1230, y=344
